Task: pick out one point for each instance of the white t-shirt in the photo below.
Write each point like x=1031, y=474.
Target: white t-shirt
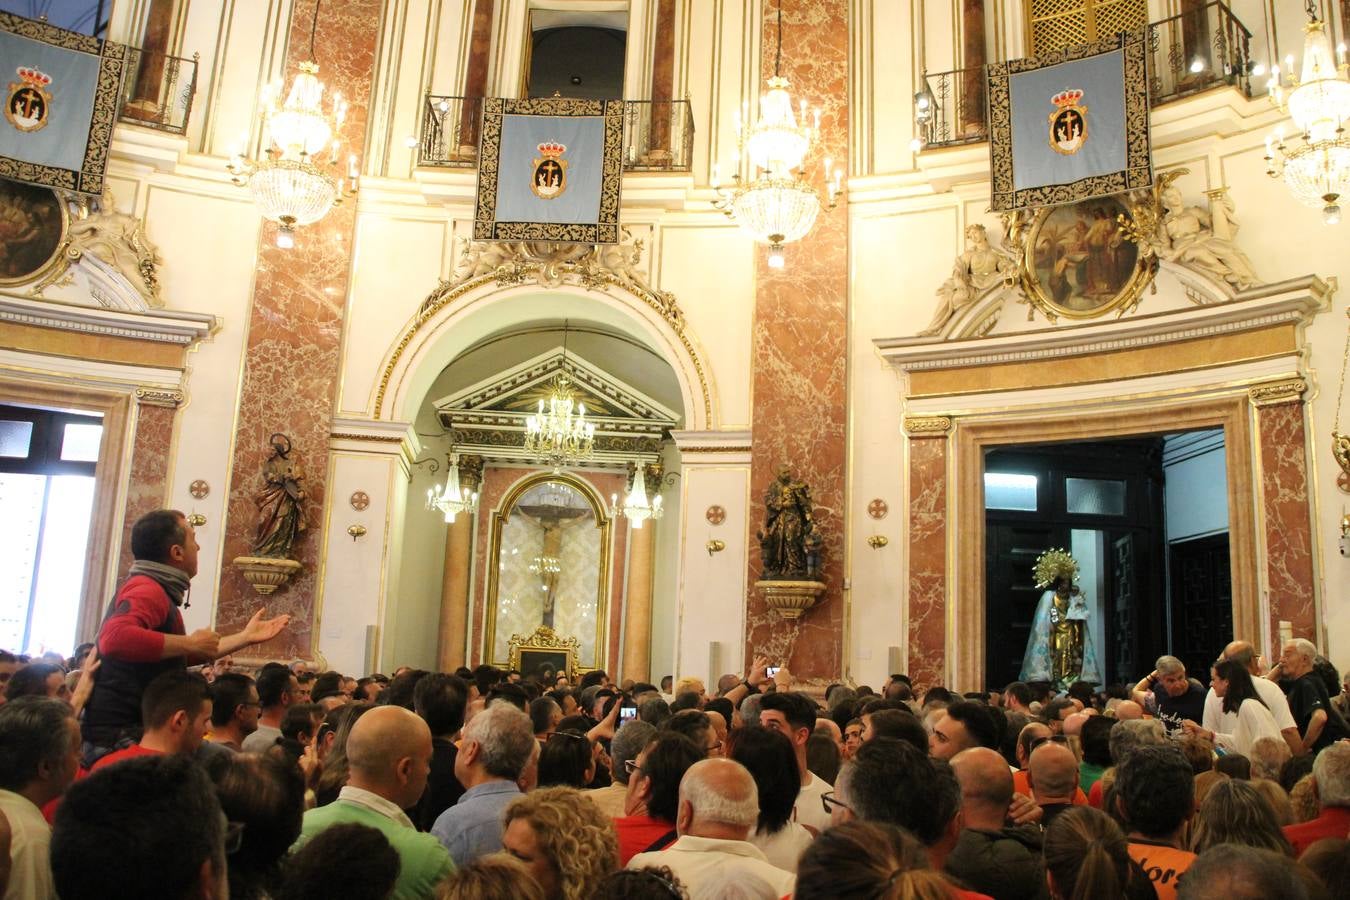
x=30, y=874
x=1254, y=722
x=1220, y=722
x=810, y=811
x=784, y=847
x=700, y=862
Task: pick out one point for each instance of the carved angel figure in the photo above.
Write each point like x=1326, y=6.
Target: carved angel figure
x=280, y=503
x=980, y=266
x=119, y=240
x=1203, y=240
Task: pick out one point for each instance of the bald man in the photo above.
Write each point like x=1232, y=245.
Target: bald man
x=1033, y=735
x=389, y=756
x=1216, y=720
x=990, y=858
x=719, y=807
x=1053, y=777
x=1127, y=710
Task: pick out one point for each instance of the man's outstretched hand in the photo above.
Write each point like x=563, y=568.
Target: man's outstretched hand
x=259, y=629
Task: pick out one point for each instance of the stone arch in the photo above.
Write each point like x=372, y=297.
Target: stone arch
x=455, y=316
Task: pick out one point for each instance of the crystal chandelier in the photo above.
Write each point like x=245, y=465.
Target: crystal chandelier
x=554, y=434
x=769, y=197
x=636, y=507
x=295, y=183
x=1317, y=168
x=452, y=499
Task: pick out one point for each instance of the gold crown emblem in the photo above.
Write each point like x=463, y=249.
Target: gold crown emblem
x=552, y=149
x=1067, y=98
x=34, y=77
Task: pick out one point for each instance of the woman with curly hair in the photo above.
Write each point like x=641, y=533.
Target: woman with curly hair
x=492, y=877
x=868, y=859
x=641, y=884
x=1234, y=812
x=563, y=839
x=1088, y=858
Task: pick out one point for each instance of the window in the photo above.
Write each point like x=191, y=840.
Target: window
x=1010, y=490
x=47, y=462
x=577, y=54
x=1056, y=24
x=1094, y=497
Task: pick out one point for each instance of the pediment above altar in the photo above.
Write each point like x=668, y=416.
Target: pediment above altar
x=488, y=418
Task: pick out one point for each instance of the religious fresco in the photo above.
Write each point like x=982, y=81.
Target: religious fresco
x=1082, y=259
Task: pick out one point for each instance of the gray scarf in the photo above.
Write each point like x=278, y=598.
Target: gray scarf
x=174, y=581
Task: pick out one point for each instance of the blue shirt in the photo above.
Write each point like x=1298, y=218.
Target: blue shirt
x=473, y=826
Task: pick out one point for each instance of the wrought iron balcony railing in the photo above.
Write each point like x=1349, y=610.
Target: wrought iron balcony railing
x=658, y=135
x=1188, y=53
x=157, y=90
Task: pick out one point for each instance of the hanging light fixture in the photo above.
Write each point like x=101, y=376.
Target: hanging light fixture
x=554, y=434
x=452, y=499
x=1316, y=168
x=637, y=508
x=296, y=182
x=769, y=197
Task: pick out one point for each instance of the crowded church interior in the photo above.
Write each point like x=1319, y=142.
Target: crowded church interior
x=514, y=449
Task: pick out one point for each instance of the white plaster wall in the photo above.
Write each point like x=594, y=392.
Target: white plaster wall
x=712, y=585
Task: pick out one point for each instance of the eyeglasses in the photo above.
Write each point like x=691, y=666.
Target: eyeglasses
x=829, y=801
x=631, y=767
x=570, y=735
x=713, y=747
x=1057, y=738
x=234, y=837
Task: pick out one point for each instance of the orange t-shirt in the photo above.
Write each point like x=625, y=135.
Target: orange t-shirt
x=1164, y=865
x=1021, y=785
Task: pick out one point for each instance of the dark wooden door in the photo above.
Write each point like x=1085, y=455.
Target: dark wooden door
x=1011, y=552
x=1123, y=635
x=1202, y=602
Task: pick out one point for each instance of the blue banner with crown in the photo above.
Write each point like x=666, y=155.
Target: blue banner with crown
x=1070, y=125
x=550, y=169
x=61, y=91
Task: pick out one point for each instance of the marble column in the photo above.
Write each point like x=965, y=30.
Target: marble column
x=1282, y=436
x=455, y=594
x=147, y=484
x=637, y=606
x=927, y=549
x=475, y=79
x=972, y=61
x=800, y=347
x=154, y=44
x=291, y=358
x=663, y=78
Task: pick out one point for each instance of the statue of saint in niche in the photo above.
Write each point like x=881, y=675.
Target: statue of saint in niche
x=1060, y=649
x=789, y=544
x=280, y=502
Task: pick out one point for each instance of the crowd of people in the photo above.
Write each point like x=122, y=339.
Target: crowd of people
x=148, y=766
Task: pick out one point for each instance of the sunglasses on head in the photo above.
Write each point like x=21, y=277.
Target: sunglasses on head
x=1057, y=738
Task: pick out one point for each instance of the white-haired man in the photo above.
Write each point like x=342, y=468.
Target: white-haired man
x=719, y=807
x=1331, y=782
x=1318, y=724
x=1216, y=720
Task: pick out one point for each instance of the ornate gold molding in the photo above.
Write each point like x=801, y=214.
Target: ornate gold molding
x=928, y=426
x=1277, y=392
x=158, y=397
x=593, y=268
x=374, y=438
x=715, y=449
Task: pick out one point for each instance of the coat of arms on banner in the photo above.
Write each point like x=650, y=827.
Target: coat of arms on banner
x=29, y=101
x=1068, y=123
x=549, y=176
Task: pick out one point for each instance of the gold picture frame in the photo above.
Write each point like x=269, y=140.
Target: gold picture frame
x=542, y=651
x=34, y=222
x=1084, y=260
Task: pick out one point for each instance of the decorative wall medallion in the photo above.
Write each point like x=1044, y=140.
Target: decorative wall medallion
x=360, y=500
x=715, y=515
x=1343, y=482
x=877, y=509
x=199, y=489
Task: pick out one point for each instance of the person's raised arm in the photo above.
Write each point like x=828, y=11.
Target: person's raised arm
x=1139, y=693
x=85, y=686
x=256, y=631
x=758, y=675
x=604, y=730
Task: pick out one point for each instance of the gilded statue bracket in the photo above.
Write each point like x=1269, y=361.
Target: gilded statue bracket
x=113, y=244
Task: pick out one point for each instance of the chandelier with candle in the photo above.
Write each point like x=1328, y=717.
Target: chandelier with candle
x=769, y=196
x=298, y=179
x=1315, y=165
x=452, y=499
x=637, y=508
x=558, y=432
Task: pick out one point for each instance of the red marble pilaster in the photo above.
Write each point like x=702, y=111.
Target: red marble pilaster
x=663, y=75
x=475, y=79
x=291, y=359
x=927, y=559
x=1288, y=523
x=147, y=484
x=800, y=347
x=972, y=61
